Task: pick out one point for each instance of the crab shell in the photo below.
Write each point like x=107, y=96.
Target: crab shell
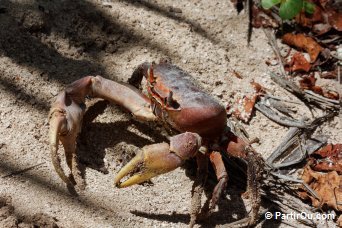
x=178, y=102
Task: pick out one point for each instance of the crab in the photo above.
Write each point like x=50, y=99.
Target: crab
x=198, y=120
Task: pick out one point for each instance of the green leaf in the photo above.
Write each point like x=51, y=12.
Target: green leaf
x=267, y=4
x=309, y=7
x=290, y=8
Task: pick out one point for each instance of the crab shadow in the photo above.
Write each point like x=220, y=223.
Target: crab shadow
x=225, y=213
x=231, y=207
x=116, y=140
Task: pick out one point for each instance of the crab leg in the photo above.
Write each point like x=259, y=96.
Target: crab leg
x=156, y=159
x=67, y=112
x=198, y=187
x=222, y=177
x=239, y=148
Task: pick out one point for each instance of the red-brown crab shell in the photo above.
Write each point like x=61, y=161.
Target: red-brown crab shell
x=180, y=103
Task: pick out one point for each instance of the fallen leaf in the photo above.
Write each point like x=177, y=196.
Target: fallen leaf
x=299, y=63
x=303, y=42
x=331, y=95
x=339, y=221
x=329, y=74
x=258, y=88
x=326, y=186
x=308, y=20
x=307, y=82
x=243, y=108
x=328, y=158
x=335, y=19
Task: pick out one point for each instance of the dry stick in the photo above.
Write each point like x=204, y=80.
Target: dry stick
x=282, y=120
x=288, y=178
x=271, y=38
x=282, y=99
x=307, y=95
x=22, y=170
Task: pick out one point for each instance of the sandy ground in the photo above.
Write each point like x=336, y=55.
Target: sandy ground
x=45, y=45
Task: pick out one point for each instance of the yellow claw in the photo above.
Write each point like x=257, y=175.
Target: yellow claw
x=157, y=159
x=151, y=161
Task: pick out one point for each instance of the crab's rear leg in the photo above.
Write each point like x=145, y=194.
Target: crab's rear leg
x=66, y=115
x=198, y=187
x=239, y=148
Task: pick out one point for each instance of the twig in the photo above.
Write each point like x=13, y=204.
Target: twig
x=281, y=99
x=282, y=120
x=272, y=40
x=288, y=178
x=307, y=95
x=22, y=170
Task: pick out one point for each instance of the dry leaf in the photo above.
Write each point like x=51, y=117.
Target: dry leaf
x=331, y=95
x=307, y=82
x=243, y=108
x=339, y=221
x=328, y=158
x=258, y=88
x=329, y=74
x=299, y=63
x=308, y=20
x=335, y=19
x=326, y=187
x=304, y=42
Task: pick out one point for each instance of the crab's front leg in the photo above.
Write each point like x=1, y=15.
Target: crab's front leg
x=156, y=159
x=67, y=112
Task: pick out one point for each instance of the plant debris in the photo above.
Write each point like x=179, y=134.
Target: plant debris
x=298, y=63
x=304, y=42
x=308, y=83
x=243, y=108
x=326, y=186
x=328, y=158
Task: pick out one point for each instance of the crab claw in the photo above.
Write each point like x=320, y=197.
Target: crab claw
x=65, y=119
x=156, y=159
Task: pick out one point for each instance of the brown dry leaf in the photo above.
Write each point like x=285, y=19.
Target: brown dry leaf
x=334, y=19
x=307, y=82
x=299, y=63
x=328, y=158
x=303, y=42
x=329, y=74
x=326, y=187
x=243, y=108
x=331, y=95
x=339, y=221
x=308, y=20
x=258, y=88
x=318, y=90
